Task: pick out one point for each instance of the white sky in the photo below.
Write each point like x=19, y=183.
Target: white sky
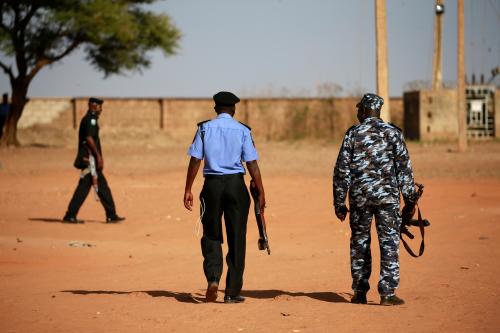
x=287, y=47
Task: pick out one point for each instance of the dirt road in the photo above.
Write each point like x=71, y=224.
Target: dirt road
x=146, y=275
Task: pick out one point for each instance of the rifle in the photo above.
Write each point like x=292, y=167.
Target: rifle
x=93, y=174
x=263, y=242
x=408, y=220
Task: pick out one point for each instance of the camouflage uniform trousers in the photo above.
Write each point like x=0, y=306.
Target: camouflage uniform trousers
x=388, y=222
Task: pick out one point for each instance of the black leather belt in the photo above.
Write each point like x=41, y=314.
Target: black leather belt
x=233, y=175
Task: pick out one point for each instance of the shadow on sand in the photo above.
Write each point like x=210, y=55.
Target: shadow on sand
x=325, y=296
x=200, y=298
x=53, y=220
x=180, y=297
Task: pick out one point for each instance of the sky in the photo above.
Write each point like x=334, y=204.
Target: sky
x=289, y=48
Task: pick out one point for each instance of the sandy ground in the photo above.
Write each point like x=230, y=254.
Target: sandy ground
x=146, y=275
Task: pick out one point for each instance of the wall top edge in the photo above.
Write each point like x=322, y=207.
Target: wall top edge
x=79, y=98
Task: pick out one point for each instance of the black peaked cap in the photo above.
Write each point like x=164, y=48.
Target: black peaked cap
x=95, y=100
x=225, y=98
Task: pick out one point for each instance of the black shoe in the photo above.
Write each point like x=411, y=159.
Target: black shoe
x=359, y=297
x=234, y=299
x=115, y=219
x=72, y=219
x=211, y=294
x=391, y=300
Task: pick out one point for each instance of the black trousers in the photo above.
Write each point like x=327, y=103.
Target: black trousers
x=225, y=195
x=82, y=191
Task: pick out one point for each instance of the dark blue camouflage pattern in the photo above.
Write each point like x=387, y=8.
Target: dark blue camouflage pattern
x=374, y=167
x=371, y=101
x=387, y=221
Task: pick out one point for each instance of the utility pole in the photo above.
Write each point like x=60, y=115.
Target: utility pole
x=462, y=126
x=382, y=72
x=437, y=74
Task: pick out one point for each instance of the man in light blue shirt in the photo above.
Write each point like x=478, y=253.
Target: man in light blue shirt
x=224, y=144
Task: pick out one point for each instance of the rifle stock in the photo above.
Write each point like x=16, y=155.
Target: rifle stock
x=263, y=242
x=408, y=221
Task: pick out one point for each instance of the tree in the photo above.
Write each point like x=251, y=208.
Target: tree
x=114, y=34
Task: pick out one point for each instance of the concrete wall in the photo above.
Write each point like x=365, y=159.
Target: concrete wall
x=431, y=115
x=123, y=112
x=270, y=118
x=438, y=119
x=46, y=111
x=497, y=114
x=411, y=126
x=424, y=115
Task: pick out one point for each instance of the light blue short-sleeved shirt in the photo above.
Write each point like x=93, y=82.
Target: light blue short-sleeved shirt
x=224, y=144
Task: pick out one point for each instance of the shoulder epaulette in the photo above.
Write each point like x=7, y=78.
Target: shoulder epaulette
x=202, y=122
x=245, y=125
x=395, y=126
x=350, y=128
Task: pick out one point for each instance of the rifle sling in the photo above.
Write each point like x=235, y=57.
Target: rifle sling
x=422, y=232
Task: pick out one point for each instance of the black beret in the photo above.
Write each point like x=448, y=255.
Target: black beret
x=225, y=98
x=95, y=100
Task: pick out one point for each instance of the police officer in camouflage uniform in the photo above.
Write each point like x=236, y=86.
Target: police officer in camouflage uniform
x=373, y=166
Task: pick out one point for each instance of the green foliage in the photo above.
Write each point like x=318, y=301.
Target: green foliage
x=115, y=34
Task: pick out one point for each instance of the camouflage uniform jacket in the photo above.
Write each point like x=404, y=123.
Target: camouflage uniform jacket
x=373, y=165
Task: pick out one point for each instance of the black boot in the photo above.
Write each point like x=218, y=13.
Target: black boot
x=391, y=300
x=359, y=297
x=234, y=299
x=115, y=219
x=71, y=219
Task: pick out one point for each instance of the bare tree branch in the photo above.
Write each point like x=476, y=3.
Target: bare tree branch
x=70, y=49
x=40, y=63
x=7, y=71
x=46, y=60
x=18, y=41
x=24, y=22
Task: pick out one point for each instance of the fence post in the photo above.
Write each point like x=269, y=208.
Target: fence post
x=162, y=113
x=73, y=104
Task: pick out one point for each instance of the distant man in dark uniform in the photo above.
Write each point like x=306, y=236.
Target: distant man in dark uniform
x=89, y=151
x=224, y=144
x=4, y=112
x=373, y=166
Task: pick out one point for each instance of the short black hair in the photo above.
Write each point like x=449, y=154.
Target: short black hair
x=225, y=108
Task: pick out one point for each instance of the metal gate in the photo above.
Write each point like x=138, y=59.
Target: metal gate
x=480, y=111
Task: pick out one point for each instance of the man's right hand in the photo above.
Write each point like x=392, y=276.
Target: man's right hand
x=341, y=212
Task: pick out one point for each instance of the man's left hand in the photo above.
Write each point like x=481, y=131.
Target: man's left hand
x=188, y=200
x=341, y=212
x=407, y=212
